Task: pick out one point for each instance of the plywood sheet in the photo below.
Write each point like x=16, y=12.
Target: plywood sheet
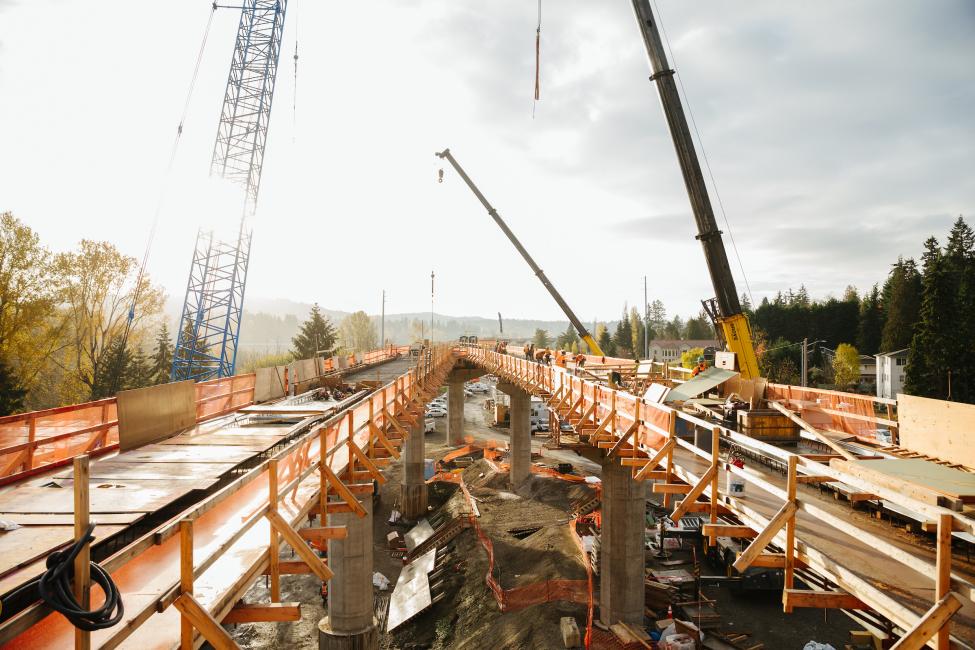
x=114, y=469
x=310, y=407
x=133, y=496
x=68, y=520
x=710, y=378
x=269, y=383
x=257, y=443
x=23, y=546
x=948, y=481
x=149, y=414
x=418, y=534
x=158, y=453
x=936, y=428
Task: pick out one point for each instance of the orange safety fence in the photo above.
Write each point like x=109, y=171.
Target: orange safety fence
x=837, y=411
x=38, y=440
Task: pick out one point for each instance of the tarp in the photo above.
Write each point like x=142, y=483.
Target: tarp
x=710, y=378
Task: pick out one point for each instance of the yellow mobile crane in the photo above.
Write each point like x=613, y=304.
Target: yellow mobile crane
x=726, y=307
x=580, y=328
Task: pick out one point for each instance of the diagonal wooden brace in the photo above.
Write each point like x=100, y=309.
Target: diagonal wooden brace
x=630, y=433
x=366, y=462
x=381, y=438
x=299, y=546
x=766, y=535
x=655, y=461
x=201, y=619
x=930, y=623
x=335, y=483
x=695, y=492
x=396, y=424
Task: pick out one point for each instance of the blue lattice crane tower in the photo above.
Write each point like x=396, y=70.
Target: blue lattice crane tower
x=206, y=346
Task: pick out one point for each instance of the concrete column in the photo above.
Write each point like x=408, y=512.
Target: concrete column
x=413, y=491
x=351, y=623
x=455, y=412
x=621, y=550
x=521, y=436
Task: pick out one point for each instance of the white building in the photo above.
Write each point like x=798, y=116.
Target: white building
x=669, y=350
x=868, y=368
x=891, y=367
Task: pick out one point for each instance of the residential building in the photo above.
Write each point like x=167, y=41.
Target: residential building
x=669, y=350
x=891, y=367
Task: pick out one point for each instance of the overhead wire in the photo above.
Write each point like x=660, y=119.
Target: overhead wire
x=704, y=153
x=159, y=201
x=294, y=98
x=538, y=47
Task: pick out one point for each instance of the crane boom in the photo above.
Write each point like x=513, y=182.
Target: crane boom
x=576, y=323
x=733, y=322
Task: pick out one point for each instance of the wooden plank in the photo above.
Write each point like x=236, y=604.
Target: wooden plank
x=820, y=599
x=263, y=613
x=149, y=414
x=186, y=579
x=58, y=519
x=695, y=492
x=205, y=623
x=671, y=488
x=942, y=586
x=930, y=623
x=765, y=536
x=113, y=469
x=813, y=430
x=864, y=471
x=292, y=567
x=299, y=546
x=937, y=428
x=927, y=474
x=657, y=458
x=770, y=561
x=727, y=530
x=131, y=497
x=161, y=453
x=255, y=441
x=323, y=533
x=82, y=561
x=23, y=546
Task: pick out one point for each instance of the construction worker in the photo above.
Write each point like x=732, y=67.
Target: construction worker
x=540, y=355
x=560, y=359
x=580, y=361
x=548, y=357
x=702, y=365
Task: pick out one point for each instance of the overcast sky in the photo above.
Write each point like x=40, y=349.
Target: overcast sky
x=840, y=135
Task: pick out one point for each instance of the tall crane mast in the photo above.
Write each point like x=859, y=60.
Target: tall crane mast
x=206, y=346
x=576, y=323
x=730, y=317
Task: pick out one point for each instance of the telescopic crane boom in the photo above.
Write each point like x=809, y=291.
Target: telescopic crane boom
x=733, y=322
x=583, y=332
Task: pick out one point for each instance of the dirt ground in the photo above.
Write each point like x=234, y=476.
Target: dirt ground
x=468, y=616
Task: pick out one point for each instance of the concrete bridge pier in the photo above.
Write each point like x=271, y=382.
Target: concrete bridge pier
x=521, y=434
x=621, y=574
x=455, y=411
x=350, y=623
x=413, y=491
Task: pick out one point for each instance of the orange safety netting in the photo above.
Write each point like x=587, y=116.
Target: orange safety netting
x=220, y=396
x=835, y=411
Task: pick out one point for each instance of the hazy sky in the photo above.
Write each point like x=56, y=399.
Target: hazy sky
x=840, y=134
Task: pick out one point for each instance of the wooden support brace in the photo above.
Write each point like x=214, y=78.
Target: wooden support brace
x=655, y=460
x=602, y=428
x=693, y=494
x=672, y=488
x=770, y=561
x=932, y=621
x=263, y=613
x=814, y=479
x=701, y=506
x=204, y=622
x=381, y=438
x=338, y=486
x=324, y=533
x=765, y=536
x=813, y=430
x=299, y=546
x=294, y=567
x=629, y=436
x=396, y=425
x=367, y=462
x=821, y=599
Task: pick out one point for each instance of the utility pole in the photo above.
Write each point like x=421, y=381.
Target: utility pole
x=431, y=307
x=646, y=314
x=382, y=323
x=805, y=361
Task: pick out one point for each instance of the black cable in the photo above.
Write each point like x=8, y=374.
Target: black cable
x=55, y=587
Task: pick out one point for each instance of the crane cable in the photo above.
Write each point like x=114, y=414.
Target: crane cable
x=294, y=97
x=704, y=152
x=538, y=46
x=159, y=202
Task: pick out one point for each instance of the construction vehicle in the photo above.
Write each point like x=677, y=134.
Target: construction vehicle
x=725, y=309
x=576, y=323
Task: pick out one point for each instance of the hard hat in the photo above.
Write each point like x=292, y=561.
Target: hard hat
x=700, y=359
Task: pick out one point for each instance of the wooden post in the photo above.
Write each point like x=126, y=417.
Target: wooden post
x=351, y=467
x=672, y=428
x=31, y=443
x=943, y=578
x=790, y=531
x=82, y=563
x=275, y=548
x=323, y=476
x=636, y=429
x=185, y=579
x=715, y=463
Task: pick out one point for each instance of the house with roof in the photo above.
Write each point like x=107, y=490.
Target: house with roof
x=891, y=368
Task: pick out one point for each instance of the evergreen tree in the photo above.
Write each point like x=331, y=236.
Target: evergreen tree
x=605, y=341
x=638, y=333
x=657, y=319
x=162, y=358
x=929, y=358
x=123, y=369
x=541, y=339
x=316, y=334
x=11, y=393
x=567, y=338
x=623, y=337
x=901, y=303
x=698, y=328
x=870, y=328
x=674, y=329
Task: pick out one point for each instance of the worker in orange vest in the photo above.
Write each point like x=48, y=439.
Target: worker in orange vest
x=580, y=360
x=702, y=365
x=560, y=359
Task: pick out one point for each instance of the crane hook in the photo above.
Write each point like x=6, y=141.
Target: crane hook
x=440, y=175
